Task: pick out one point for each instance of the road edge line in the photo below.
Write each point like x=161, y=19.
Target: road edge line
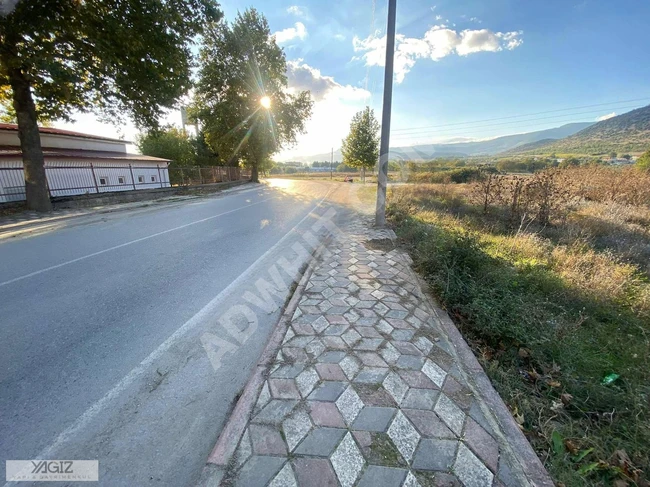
x=232, y=431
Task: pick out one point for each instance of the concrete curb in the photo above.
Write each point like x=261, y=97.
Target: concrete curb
x=226, y=445
x=531, y=465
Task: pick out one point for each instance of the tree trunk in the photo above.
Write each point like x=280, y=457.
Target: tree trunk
x=30, y=143
x=255, y=178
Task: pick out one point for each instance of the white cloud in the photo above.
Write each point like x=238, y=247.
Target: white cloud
x=334, y=106
x=298, y=11
x=339, y=37
x=606, y=117
x=438, y=17
x=438, y=42
x=301, y=76
x=298, y=31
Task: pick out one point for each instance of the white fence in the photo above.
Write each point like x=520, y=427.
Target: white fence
x=75, y=178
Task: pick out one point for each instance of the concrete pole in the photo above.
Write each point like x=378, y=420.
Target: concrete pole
x=382, y=176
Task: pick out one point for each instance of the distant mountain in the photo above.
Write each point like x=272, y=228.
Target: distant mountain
x=463, y=149
x=629, y=132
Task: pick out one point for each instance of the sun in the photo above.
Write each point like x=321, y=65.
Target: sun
x=265, y=101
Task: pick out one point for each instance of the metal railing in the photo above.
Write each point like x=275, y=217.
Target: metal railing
x=69, y=179
x=194, y=175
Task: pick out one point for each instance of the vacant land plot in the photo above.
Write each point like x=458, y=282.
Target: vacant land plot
x=548, y=279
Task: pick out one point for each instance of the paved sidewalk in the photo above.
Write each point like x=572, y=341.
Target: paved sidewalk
x=369, y=389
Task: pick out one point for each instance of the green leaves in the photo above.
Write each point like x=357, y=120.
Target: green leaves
x=115, y=57
x=361, y=146
x=240, y=64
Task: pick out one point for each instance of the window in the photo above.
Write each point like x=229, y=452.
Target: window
x=103, y=181
x=121, y=180
x=141, y=179
x=153, y=179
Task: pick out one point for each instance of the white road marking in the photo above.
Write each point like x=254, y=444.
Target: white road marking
x=207, y=311
x=153, y=235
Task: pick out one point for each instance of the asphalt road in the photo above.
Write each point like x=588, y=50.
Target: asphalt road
x=110, y=328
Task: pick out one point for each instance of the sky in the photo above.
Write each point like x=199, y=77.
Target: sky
x=464, y=69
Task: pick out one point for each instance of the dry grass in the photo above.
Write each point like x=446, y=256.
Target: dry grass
x=550, y=308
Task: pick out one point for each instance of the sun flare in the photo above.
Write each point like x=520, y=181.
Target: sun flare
x=265, y=101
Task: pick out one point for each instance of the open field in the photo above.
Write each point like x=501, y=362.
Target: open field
x=548, y=279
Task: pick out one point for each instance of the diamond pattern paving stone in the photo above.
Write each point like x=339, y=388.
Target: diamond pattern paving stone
x=330, y=372
x=266, y=440
x=244, y=451
x=470, y=470
x=370, y=344
x=327, y=391
x=420, y=399
x=428, y=423
x=285, y=478
x=482, y=444
x=325, y=414
x=347, y=461
x=263, y=399
x=451, y=414
x=415, y=378
x=395, y=386
x=374, y=419
x=371, y=375
x=258, y=470
x=331, y=357
x=314, y=472
x=295, y=428
x=275, y=411
x=306, y=381
x=288, y=371
x=371, y=359
x=434, y=372
x=283, y=389
x=412, y=362
x=349, y=404
x=382, y=476
x=321, y=442
x=435, y=454
x=350, y=366
x=411, y=481
x=404, y=435
x=390, y=353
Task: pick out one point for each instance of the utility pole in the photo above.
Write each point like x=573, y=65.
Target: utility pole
x=332, y=165
x=382, y=176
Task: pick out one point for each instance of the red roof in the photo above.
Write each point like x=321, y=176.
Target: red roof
x=52, y=153
x=49, y=130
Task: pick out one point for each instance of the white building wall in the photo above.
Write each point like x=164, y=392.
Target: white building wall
x=68, y=178
x=53, y=141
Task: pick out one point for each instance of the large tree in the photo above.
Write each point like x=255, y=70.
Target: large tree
x=114, y=57
x=241, y=98
x=169, y=143
x=361, y=147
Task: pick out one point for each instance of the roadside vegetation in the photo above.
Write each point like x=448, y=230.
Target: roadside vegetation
x=548, y=277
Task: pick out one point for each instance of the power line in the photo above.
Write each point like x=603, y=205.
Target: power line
x=523, y=115
x=488, y=127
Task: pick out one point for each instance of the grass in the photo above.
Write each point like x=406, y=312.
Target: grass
x=550, y=312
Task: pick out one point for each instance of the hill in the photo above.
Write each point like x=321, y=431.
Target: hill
x=629, y=132
x=463, y=149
